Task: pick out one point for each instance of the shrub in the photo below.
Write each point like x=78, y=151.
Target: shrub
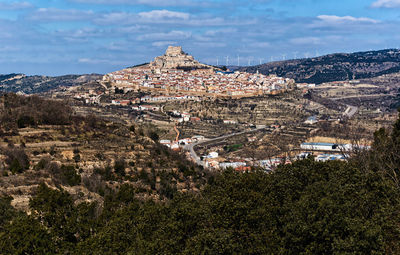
x=69, y=176
x=17, y=160
x=154, y=136
x=25, y=121
x=42, y=164
x=119, y=167
x=77, y=157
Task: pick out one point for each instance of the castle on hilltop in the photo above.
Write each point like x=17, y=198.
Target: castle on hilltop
x=178, y=73
x=175, y=58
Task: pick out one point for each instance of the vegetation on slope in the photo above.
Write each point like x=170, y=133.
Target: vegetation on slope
x=45, y=141
x=304, y=208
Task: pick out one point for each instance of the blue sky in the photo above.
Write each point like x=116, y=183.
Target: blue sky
x=54, y=37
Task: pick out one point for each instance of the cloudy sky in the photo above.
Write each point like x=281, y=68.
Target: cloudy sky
x=54, y=37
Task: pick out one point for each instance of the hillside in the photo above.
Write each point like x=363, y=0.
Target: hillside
x=307, y=207
x=45, y=141
x=334, y=67
x=39, y=84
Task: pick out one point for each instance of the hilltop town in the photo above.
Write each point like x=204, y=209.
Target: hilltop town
x=219, y=118
x=178, y=73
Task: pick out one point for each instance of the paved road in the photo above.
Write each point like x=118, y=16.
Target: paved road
x=196, y=158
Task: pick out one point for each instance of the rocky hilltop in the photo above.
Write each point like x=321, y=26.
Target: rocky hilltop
x=334, y=67
x=175, y=58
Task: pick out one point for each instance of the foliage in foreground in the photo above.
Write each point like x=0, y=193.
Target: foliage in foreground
x=305, y=208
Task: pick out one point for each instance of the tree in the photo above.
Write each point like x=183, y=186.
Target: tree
x=384, y=156
x=54, y=208
x=26, y=236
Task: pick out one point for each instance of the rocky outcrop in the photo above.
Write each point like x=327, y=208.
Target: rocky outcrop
x=175, y=58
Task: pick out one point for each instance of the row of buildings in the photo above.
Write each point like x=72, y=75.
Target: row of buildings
x=199, y=81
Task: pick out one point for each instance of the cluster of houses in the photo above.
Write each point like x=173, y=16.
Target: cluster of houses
x=202, y=81
x=322, y=152
x=89, y=97
x=179, y=144
x=333, y=147
x=153, y=99
x=164, y=98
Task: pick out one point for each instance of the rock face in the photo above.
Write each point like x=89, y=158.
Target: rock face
x=175, y=58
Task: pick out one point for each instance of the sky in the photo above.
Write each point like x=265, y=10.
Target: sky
x=56, y=37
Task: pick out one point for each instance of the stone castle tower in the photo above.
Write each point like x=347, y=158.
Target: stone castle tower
x=174, y=58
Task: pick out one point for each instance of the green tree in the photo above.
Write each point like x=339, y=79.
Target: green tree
x=26, y=236
x=55, y=210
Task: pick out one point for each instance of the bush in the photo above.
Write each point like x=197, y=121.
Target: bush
x=25, y=121
x=105, y=173
x=69, y=176
x=17, y=160
x=42, y=164
x=119, y=167
x=77, y=158
x=154, y=136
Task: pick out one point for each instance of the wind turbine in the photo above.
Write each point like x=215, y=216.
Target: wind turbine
x=248, y=61
x=217, y=61
x=307, y=54
x=295, y=54
x=238, y=59
x=261, y=59
x=272, y=58
x=227, y=60
x=283, y=56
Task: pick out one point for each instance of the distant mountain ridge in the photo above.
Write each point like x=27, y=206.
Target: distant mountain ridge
x=39, y=84
x=334, y=67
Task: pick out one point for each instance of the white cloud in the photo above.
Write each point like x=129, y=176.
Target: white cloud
x=116, y=18
x=15, y=6
x=97, y=61
x=173, y=35
x=155, y=16
x=54, y=14
x=305, y=40
x=208, y=45
x=260, y=45
x=314, y=40
x=166, y=17
x=220, y=32
x=131, y=29
x=9, y=49
x=386, y=4
x=333, y=19
x=163, y=14
x=86, y=60
x=188, y=3
x=163, y=43
x=84, y=34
